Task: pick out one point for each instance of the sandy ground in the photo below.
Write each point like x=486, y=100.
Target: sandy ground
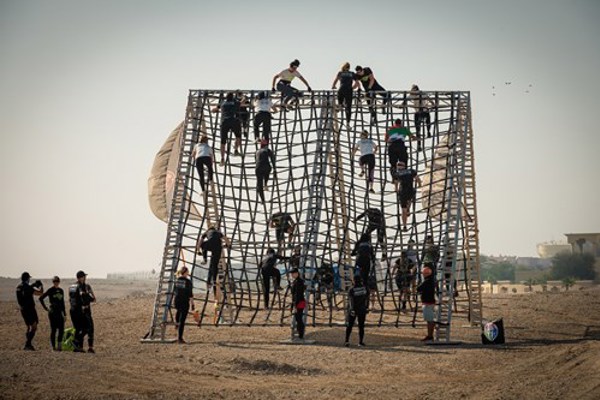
x=552, y=352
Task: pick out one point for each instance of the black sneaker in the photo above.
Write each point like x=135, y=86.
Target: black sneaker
x=362, y=344
x=29, y=347
x=346, y=344
x=78, y=350
x=91, y=350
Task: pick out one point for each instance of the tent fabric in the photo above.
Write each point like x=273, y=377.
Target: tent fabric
x=163, y=174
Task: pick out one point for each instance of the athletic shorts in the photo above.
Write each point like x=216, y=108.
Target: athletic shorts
x=428, y=312
x=406, y=197
x=230, y=124
x=29, y=316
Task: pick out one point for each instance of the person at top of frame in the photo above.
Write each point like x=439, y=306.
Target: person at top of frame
x=394, y=137
x=370, y=84
x=265, y=159
x=283, y=223
x=264, y=106
x=421, y=104
x=348, y=80
x=243, y=113
x=368, y=148
x=403, y=179
x=212, y=240
x=284, y=85
x=230, y=122
x=204, y=156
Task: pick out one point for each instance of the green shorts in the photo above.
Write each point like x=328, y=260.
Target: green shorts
x=428, y=312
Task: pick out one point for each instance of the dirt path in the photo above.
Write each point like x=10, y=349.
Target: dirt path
x=553, y=352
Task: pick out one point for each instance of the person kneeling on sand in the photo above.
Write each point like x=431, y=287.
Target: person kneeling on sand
x=427, y=291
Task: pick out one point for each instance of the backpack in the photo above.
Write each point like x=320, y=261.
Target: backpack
x=68, y=343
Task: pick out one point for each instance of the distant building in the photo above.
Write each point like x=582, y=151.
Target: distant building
x=586, y=243
x=548, y=250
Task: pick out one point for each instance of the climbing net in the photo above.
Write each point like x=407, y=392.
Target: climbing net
x=317, y=181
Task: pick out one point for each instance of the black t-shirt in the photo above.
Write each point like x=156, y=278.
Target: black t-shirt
x=374, y=215
x=282, y=220
x=25, y=295
x=56, y=297
x=346, y=78
x=264, y=158
x=406, y=178
x=270, y=261
x=427, y=290
x=359, y=299
x=229, y=109
x=81, y=296
x=213, y=237
x=298, y=291
x=183, y=292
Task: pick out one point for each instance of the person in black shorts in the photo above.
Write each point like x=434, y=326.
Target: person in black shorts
x=268, y=271
x=81, y=297
x=347, y=81
x=283, y=223
x=358, y=305
x=212, y=240
x=403, y=179
x=25, y=293
x=56, y=313
x=376, y=223
x=230, y=122
x=184, y=300
x=370, y=84
x=298, y=301
x=265, y=159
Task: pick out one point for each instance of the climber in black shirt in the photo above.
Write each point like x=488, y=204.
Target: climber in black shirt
x=370, y=85
x=212, y=240
x=347, y=81
x=268, y=271
x=265, y=161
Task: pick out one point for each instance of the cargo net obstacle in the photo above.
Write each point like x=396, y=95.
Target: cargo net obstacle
x=317, y=181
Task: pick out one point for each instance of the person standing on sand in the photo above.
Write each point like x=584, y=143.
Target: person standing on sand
x=56, y=313
x=25, y=292
x=358, y=304
x=427, y=291
x=184, y=300
x=81, y=297
x=298, y=301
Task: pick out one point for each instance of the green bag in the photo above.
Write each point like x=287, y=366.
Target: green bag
x=68, y=343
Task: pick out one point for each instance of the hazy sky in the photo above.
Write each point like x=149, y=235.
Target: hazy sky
x=89, y=90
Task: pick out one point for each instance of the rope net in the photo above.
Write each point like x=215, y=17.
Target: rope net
x=318, y=182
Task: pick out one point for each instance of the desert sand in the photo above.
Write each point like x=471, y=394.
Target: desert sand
x=552, y=352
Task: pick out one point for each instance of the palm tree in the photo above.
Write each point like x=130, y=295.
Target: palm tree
x=568, y=282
